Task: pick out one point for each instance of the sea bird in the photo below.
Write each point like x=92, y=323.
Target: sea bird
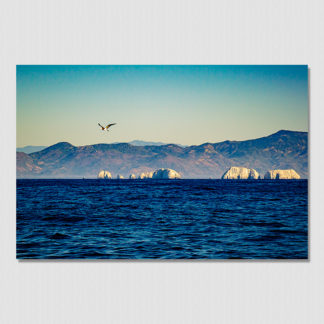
x=106, y=128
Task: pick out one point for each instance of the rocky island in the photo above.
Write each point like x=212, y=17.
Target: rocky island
x=240, y=173
x=104, y=175
x=146, y=175
x=166, y=174
x=282, y=174
x=157, y=174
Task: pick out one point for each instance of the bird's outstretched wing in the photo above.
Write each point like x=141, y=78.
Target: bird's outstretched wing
x=101, y=126
x=110, y=125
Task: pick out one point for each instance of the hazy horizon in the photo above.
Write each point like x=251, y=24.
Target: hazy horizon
x=187, y=105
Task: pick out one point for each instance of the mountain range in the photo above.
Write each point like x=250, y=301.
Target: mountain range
x=281, y=150
x=33, y=148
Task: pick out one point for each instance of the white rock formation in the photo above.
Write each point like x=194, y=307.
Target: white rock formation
x=119, y=176
x=282, y=174
x=149, y=175
x=132, y=176
x=104, y=175
x=146, y=175
x=166, y=174
x=240, y=173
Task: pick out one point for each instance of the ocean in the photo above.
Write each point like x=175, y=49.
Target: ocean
x=162, y=219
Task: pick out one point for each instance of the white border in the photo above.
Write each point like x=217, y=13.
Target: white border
x=160, y=32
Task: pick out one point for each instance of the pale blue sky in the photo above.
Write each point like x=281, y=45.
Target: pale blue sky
x=172, y=104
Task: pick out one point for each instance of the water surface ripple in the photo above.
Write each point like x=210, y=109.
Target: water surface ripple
x=167, y=219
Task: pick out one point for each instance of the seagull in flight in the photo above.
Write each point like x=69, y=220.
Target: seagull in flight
x=106, y=128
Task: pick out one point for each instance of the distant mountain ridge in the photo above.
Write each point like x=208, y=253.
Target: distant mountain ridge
x=33, y=148
x=281, y=150
x=143, y=143
x=30, y=149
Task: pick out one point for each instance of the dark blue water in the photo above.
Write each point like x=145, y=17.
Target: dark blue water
x=172, y=219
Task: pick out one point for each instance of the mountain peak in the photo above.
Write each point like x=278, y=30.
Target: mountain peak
x=287, y=132
x=62, y=145
x=58, y=147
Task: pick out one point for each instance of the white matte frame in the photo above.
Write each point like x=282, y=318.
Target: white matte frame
x=161, y=32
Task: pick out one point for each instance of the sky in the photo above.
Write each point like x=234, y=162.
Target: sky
x=182, y=104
